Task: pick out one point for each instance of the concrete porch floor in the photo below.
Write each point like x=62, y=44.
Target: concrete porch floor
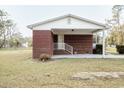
x=87, y=56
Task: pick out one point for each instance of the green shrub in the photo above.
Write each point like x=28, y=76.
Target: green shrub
x=44, y=57
x=98, y=49
x=120, y=49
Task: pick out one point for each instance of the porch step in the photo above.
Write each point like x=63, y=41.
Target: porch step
x=60, y=52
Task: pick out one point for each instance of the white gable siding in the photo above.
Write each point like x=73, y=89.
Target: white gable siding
x=63, y=23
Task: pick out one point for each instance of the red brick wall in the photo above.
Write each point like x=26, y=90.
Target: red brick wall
x=80, y=43
x=42, y=43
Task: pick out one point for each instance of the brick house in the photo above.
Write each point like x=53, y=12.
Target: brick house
x=67, y=34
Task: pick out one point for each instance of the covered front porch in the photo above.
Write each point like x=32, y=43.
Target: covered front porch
x=74, y=41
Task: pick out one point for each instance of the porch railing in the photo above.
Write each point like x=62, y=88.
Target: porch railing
x=63, y=46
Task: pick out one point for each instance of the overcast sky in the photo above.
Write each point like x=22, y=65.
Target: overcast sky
x=25, y=15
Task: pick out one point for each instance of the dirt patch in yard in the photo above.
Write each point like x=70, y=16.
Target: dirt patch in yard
x=97, y=75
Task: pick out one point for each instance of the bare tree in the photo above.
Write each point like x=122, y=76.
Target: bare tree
x=116, y=36
x=6, y=28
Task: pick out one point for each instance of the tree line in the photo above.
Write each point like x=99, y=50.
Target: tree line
x=116, y=26
x=9, y=36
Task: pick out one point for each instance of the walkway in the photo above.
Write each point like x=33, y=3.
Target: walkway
x=87, y=56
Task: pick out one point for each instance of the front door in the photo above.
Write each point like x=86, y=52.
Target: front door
x=61, y=44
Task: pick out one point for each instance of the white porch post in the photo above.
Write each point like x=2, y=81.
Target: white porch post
x=96, y=39
x=103, y=43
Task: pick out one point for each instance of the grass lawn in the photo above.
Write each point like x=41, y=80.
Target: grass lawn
x=18, y=69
